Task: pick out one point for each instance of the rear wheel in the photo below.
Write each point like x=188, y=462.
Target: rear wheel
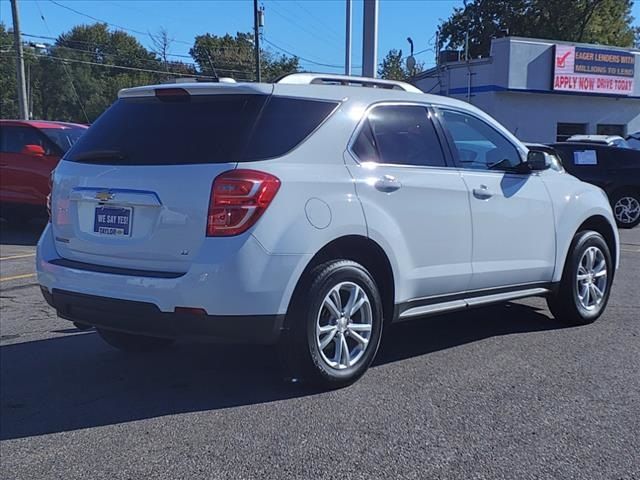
x=586, y=281
x=134, y=343
x=626, y=208
x=336, y=325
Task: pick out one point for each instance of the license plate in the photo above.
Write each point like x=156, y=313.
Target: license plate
x=112, y=221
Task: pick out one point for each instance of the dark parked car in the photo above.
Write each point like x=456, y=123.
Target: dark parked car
x=615, y=170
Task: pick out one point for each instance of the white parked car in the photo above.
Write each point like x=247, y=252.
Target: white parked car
x=633, y=140
x=311, y=214
x=609, y=140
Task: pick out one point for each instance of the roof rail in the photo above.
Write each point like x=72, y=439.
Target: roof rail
x=347, y=80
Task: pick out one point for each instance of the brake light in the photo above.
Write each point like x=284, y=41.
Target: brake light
x=238, y=200
x=171, y=92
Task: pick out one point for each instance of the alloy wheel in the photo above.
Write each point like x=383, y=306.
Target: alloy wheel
x=591, y=279
x=344, y=325
x=627, y=209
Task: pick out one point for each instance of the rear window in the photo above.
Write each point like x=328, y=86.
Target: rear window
x=64, y=137
x=199, y=129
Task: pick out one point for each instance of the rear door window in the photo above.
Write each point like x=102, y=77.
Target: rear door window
x=399, y=135
x=198, y=129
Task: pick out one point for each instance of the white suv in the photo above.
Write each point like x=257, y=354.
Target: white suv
x=311, y=214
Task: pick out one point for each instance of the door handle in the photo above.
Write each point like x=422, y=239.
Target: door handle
x=482, y=193
x=388, y=184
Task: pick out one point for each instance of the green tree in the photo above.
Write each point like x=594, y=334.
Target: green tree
x=229, y=56
x=393, y=67
x=8, y=95
x=8, y=81
x=79, y=81
x=592, y=21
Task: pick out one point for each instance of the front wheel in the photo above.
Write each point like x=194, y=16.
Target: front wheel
x=133, y=343
x=584, y=290
x=336, y=324
x=626, y=208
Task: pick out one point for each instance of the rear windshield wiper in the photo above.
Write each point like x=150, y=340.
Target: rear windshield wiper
x=98, y=155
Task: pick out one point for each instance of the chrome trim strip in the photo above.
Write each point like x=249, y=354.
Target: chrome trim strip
x=472, y=293
x=435, y=308
x=471, y=302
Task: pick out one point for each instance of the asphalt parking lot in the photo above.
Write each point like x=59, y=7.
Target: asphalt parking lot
x=500, y=392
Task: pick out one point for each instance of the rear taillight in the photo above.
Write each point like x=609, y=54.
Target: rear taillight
x=238, y=199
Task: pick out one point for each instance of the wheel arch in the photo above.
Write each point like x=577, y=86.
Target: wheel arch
x=364, y=251
x=602, y=225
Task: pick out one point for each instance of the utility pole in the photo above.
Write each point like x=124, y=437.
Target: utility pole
x=256, y=38
x=22, y=87
x=347, y=54
x=370, y=38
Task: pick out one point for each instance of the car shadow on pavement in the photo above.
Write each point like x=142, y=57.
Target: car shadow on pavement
x=77, y=381
x=22, y=235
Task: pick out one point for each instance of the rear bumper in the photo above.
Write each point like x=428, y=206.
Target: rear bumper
x=147, y=319
x=245, y=282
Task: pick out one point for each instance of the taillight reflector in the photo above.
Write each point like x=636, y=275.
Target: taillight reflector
x=238, y=200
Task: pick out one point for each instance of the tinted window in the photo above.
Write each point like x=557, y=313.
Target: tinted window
x=65, y=137
x=401, y=135
x=198, y=129
x=285, y=123
x=478, y=144
x=14, y=139
x=365, y=146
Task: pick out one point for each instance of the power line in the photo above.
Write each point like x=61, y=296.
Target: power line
x=71, y=82
x=307, y=60
x=300, y=25
x=122, y=67
x=139, y=32
x=327, y=26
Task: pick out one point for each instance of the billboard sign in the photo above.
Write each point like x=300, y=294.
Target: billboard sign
x=593, y=70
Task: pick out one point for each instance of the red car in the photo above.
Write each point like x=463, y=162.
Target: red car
x=29, y=151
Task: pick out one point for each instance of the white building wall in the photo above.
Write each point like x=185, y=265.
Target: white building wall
x=514, y=85
x=533, y=117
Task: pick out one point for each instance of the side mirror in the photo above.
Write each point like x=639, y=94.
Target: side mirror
x=33, y=150
x=537, y=160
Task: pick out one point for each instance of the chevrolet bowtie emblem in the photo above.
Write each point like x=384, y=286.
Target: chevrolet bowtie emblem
x=104, y=196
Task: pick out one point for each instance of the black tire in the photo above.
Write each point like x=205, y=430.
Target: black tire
x=300, y=350
x=134, y=343
x=565, y=304
x=621, y=202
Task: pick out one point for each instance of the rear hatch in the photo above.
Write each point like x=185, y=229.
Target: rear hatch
x=134, y=191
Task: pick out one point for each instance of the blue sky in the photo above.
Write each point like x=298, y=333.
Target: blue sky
x=311, y=29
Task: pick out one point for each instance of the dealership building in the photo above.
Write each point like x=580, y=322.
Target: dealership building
x=545, y=91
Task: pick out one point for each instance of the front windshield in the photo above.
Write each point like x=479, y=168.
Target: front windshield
x=64, y=137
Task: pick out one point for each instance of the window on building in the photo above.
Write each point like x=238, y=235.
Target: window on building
x=611, y=129
x=565, y=130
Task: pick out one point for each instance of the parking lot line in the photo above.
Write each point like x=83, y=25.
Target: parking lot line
x=634, y=250
x=14, y=257
x=17, y=277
